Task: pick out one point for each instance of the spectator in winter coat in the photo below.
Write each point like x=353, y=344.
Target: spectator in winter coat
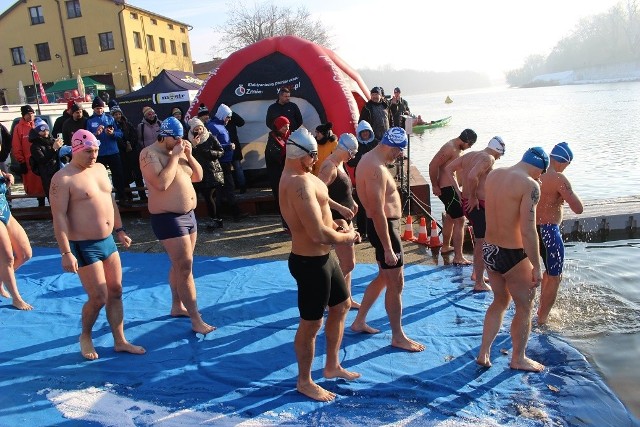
x=236, y=161
x=376, y=113
x=327, y=143
x=284, y=107
x=76, y=122
x=148, y=128
x=21, y=148
x=129, y=153
x=44, y=154
x=274, y=156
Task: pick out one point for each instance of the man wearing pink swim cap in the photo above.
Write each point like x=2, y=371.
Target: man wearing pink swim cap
x=84, y=216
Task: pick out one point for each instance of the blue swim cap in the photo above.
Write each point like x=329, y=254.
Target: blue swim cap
x=395, y=137
x=171, y=127
x=536, y=157
x=561, y=153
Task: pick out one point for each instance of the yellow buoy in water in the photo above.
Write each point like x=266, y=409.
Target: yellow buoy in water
x=448, y=100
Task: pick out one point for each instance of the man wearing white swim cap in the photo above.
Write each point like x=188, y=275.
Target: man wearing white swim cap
x=555, y=189
x=378, y=193
x=304, y=204
x=511, y=254
x=472, y=170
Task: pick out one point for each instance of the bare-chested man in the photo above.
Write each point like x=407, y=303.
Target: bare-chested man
x=472, y=170
x=511, y=253
x=555, y=189
x=442, y=186
x=379, y=195
x=84, y=216
x=304, y=203
x=169, y=170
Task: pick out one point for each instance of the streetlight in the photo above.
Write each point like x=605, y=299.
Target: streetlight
x=57, y=55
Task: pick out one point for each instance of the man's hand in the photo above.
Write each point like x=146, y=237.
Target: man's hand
x=187, y=147
x=124, y=239
x=536, y=277
x=69, y=263
x=436, y=190
x=390, y=257
x=471, y=204
x=177, y=149
x=345, y=212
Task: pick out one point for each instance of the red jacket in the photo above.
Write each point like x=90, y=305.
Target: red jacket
x=21, y=148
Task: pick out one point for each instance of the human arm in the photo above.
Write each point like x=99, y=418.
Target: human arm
x=567, y=193
x=481, y=168
x=59, y=200
x=375, y=190
x=121, y=232
x=16, y=145
x=269, y=119
x=155, y=175
x=528, y=204
x=434, y=170
x=196, y=168
x=451, y=170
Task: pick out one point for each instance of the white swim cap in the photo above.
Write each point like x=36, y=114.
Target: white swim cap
x=301, y=143
x=497, y=144
x=348, y=142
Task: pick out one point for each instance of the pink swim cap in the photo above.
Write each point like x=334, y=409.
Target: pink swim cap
x=83, y=139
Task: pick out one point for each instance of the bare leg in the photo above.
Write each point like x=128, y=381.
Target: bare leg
x=478, y=267
x=347, y=259
x=458, y=240
x=19, y=243
x=114, y=309
x=177, y=308
x=548, y=295
x=3, y=292
x=447, y=230
x=493, y=317
x=334, y=330
x=180, y=250
x=305, y=346
x=393, y=304
x=7, y=275
x=371, y=294
x=94, y=284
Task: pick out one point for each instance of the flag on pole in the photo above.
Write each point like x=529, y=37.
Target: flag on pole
x=36, y=78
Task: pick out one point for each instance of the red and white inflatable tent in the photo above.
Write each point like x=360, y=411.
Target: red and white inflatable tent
x=323, y=86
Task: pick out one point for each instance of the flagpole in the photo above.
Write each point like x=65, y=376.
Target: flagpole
x=34, y=87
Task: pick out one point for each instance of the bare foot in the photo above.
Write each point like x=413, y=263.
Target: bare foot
x=340, y=372
x=483, y=360
x=87, y=349
x=446, y=250
x=21, y=305
x=179, y=311
x=364, y=328
x=201, y=327
x=407, y=344
x=354, y=305
x=3, y=292
x=528, y=365
x=473, y=277
x=483, y=287
x=461, y=261
x=315, y=392
x=127, y=347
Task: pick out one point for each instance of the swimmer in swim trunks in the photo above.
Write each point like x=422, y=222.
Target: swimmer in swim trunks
x=555, y=189
x=170, y=170
x=472, y=170
x=379, y=195
x=511, y=253
x=16, y=249
x=304, y=203
x=343, y=206
x=84, y=216
x=442, y=186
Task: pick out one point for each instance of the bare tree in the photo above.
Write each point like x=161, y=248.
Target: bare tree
x=245, y=26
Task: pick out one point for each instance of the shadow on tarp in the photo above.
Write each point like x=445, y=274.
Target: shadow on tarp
x=245, y=371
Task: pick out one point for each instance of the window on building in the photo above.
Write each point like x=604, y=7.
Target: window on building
x=17, y=53
x=163, y=45
x=154, y=21
x=185, y=51
x=172, y=44
x=137, y=41
x=106, y=41
x=79, y=45
x=182, y=30
x=73, y=9
x=150, y=44
x=133, y=15
x=170, y=26
x=42, y=49
x=36, y=15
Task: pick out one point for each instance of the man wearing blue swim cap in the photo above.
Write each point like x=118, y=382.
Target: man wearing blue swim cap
x=379, y=195
x=555, y=189
x=511, y=254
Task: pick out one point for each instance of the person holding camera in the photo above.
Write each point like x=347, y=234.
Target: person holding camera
x=21, y=148
x=104, y=127
x=129, y=152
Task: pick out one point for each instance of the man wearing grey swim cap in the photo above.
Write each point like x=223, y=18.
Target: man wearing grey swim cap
x=379, y=195
x=511, y=254
x=555, y=189
x=304, y=204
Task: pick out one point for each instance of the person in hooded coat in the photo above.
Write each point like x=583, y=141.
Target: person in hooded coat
x=44, y=153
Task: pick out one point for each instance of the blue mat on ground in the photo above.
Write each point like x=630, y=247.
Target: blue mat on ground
x=245, y=371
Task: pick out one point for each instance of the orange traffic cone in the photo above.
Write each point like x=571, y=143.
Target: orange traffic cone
x=408, y=230
x=434, y=241
x=422, y=233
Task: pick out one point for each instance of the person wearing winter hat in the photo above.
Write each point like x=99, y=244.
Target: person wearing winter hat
x=149, y=128
x=77, y=121
x=170, y=169
x=274, y=157
x=83, y=228
x=66, y=114
x=472, y=169
x=304, y=202
x=327, y=143
x=379, y=194
x=284, y=107
x=179, y=114
x=203, y=114
x=21, y=150
x=454, y=221
x=217, y=127
x=555, y=190
x=511, y=253
x=398, y=108
x=376, y=113
x=44, y=154
x=343, y=206
x=104, y=127
x=129, y=151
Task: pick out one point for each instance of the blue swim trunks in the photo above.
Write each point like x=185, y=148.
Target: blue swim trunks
x=551, y=248
x=88, y=252
x=5, y=213
x=169, y=225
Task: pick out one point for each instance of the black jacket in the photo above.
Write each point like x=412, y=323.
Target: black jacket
x=207, y=154
x=232, y=127
x=290, y=110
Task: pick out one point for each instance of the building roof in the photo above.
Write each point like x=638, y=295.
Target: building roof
x=207, y=67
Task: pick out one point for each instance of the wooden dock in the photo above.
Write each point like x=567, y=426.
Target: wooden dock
x=602, y=220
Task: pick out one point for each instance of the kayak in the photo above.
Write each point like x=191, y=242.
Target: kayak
x=430, y=125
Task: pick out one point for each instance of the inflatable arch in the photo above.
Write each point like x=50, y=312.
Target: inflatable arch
x=323, y=86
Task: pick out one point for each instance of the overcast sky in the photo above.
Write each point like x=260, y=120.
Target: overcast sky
x=491, y=36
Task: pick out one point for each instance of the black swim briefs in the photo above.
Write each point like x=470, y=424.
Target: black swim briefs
x=393, y=224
